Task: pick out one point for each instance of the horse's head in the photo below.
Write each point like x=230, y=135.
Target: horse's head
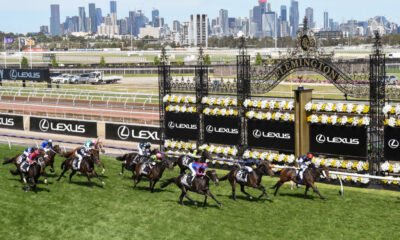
x=265, y=168
x=57, y=149
x=205, y=155
x=99, y=146
x=213, y=176
x=166, y=162
x=94, y=155
x=324, y=171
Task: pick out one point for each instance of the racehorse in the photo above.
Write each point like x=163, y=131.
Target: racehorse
x=98, y=146
x=154, y=174
x=200, y=185
x=49, y=158
x=17, y=160
x=253, y=179
x=131, y=159
x=33, y=174
x=86, y=167
x=184, y=161
x=309, y=177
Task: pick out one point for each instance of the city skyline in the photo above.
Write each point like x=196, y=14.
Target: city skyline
x=39, y=11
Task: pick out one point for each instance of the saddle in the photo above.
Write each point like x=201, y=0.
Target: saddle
x=187, y=179
x=186, y=160
x=242, y=175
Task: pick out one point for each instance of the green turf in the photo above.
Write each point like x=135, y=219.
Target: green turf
x=116, y=211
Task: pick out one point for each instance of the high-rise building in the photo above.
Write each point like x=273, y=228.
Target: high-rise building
x=326, y=21
x=294, y=17
x=82, y=19
x=44, y=29
x=223, y=21
x=113, y=7
x=92, y=16
x=263, y=6
x=131, y=23
x=99, y=17
x=198, y=30
x=155, y=14
x=176, y=26
x=123, y=26
x=283, y=13
x=269, y=24
x=140, y=21
x=310, y=17
x=55, y=19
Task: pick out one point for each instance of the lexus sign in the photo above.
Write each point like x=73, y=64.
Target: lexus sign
x=25, y=74
x=272, y=135
x=222, y=130
x=132, y=133
x=338, y=140
x=182, y=126
x=11, y=121
x=392, y=143
x=62, y=126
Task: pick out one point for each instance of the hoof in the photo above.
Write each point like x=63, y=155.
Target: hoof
x=324, y=199
x=24, y=181
x=195, y=203
x=220, y=205
x=103, y=183
x=269, y=199
x=45, y=181
x=120, y=173
x=57, y=180
x=251, y=198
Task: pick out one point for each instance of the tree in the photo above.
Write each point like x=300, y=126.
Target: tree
x=259, y=59
x=54, y=62
x=24, y=62
x=102, y=62
x=156, y=61
x=207, y=59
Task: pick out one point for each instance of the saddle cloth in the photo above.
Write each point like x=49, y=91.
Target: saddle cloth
x=187, y=179
x=242, y=175
x=186, y=160
x=145, y=169
x=299, y=174
x=76, y=165
x=20, y=158
x=24, y=166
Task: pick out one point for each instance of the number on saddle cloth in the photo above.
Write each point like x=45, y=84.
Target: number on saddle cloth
x=25, y=166
x=187, y=160
x=299, y=174
x=145, y=169
x=187, y=179
x=76, y=165
x=242, y=175
x=20, y=159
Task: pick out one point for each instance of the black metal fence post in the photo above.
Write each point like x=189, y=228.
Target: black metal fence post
x=164, y=88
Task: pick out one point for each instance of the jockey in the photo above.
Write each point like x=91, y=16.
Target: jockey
x=198, y=169
x=28, y=151
x=90, y=143
x=83, y=152
x=154, y=159
x=32, y=157
x=47, y=145
x=303, y=162
x=248, y=165
x=144, y=148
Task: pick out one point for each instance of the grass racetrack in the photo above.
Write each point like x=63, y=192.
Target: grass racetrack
x=116, y=211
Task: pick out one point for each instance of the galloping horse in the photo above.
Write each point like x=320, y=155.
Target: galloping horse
x=98, y=146
x=309, y=176
x=200, y=185
x=253, y=179
x=49, y=158
x=130, y=160
x=86, y=167
x=184, y=161
x=33, y=174
x=154, y=174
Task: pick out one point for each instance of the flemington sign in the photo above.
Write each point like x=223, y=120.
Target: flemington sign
x=289, y=65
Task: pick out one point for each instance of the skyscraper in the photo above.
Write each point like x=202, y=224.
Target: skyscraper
x=55, y=19
x=326, y=21
x=294, y=17
x=176, y=26
x=223, y=21
x=155, y=14
x=113, y=7
x=269, y=24
x=283, y=13
x=198, y=30
x=82, y=19
x=92, y=16
x=99, y=17
x=310, y=17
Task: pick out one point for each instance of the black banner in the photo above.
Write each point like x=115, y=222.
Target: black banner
x=12, y=121
x=65, y=127
x=338, y=140
x=25, y=74
x=132, y=133
x=392, y=143
x=182, y=126
x=222, y=130
x=275, y=135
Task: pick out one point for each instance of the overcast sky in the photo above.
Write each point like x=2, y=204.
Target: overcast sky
x=28, y=15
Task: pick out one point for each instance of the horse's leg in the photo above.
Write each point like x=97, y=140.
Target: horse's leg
x=44, y=175
x=62, y=174
x=137, y=180
x=72, y=174
x=95, y=174
x=52, y=167
x=305, y=192
x=122, y=169
x=205, y=199
x=182, y=169
x=212, y=196
x=261, y=188
x=151, y=184
x=154, y=184
x=316, y=190
x=181, y=198
x=278, y=185
x=88, y=178
x=243, y=191
x=185, y=194
x=233, y=184
x=104, y=169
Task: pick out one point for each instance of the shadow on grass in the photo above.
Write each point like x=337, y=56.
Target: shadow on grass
x=156, y=190
x=189, y=204
x=296, y=195
x=86, y=184
x=245, y=198
x=37, y=189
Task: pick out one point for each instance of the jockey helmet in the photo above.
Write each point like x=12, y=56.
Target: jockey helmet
x=310, y=156
x=148, y=144
x=49, y=141
x=94, y=141
x=159, y=155
x=36, y=152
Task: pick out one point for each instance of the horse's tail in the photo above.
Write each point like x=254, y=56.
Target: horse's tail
x=121, y=158
x=224, y=178
x=7, y=161
x=167, y=182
